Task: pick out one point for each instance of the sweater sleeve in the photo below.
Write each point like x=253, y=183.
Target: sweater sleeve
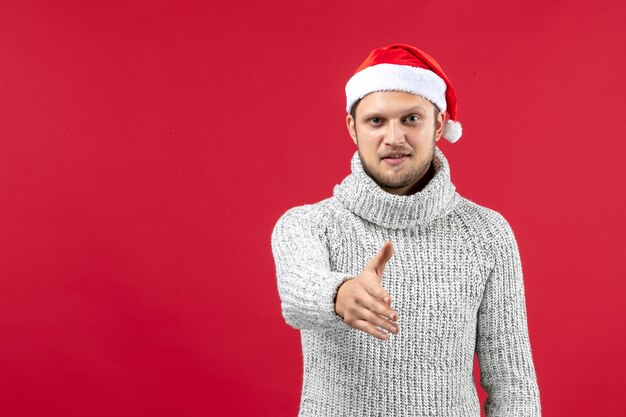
x=507, y=371
x=307, y=286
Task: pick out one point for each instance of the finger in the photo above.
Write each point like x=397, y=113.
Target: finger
x=381, y=322
x=370, y=329
x=376, y=306
x=378, y=262
x=380, y=293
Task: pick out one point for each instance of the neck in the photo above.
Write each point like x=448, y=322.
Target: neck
x=431, y=197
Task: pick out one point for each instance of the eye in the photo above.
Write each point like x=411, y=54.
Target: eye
x=375, y=120
x=413, y=118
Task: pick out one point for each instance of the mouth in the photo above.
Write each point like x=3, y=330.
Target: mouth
x=395, y=159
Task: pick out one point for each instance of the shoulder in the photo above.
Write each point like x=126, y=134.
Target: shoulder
x=486, y=224
x=485, y=216
x=312, y=217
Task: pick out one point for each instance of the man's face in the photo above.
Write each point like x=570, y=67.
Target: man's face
x=395, y=133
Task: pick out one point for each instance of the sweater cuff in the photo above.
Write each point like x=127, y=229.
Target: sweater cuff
x=326, y=300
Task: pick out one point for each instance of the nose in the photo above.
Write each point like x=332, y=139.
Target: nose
x=395, y=134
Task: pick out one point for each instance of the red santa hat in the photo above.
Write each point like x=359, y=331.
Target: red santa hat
x=400, y=67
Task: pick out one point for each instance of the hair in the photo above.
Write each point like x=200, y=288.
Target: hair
x=353, y=109
x=356, y=103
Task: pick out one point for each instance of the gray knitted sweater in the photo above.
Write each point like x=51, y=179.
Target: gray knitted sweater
x=455, y=279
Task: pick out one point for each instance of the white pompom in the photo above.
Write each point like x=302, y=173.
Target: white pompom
x=452, y=131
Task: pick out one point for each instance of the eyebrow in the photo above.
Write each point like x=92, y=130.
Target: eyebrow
x=409, y=110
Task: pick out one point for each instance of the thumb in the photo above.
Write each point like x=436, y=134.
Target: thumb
x=378, y=262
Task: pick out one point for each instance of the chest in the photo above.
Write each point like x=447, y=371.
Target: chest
x=437, y=271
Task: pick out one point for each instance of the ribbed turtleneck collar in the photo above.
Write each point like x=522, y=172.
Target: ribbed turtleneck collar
x=361, y=195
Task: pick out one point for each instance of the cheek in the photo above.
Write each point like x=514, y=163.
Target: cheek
x=370, y=138
x=368, y=146
x=370, y=155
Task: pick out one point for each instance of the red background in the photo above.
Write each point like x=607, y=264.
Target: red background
x=148, y=148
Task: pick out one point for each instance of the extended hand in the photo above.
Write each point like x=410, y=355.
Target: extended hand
x=363, y=303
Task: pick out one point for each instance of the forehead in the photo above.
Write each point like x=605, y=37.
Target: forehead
x=393, y=102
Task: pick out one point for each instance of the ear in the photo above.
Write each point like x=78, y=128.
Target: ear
x=440, y=124
x=350, y=123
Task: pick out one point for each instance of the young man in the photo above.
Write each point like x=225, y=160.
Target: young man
x=396, y=280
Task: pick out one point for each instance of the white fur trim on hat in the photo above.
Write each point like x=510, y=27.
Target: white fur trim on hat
x=452, y=131
x=393, y=77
